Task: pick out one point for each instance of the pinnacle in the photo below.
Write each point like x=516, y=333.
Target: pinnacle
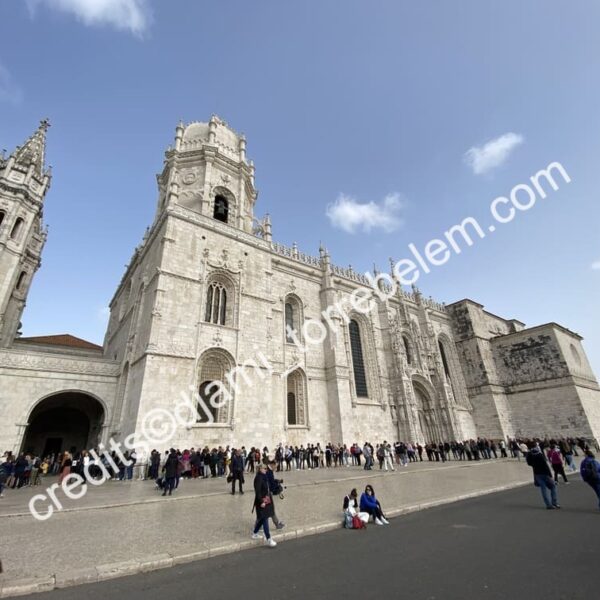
x=34, y=149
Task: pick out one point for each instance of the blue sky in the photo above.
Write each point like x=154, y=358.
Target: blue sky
x=350, y=102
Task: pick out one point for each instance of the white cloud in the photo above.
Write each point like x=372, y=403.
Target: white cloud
x=129, y=15
x=596, y=265
x=493, y=153
x=103, y=313
x=9, y=90
x=348, y=214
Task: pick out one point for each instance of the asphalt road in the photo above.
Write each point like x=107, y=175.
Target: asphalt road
x=500, y=546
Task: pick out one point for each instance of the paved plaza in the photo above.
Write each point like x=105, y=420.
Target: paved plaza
x=124, y=528
x=495, y=547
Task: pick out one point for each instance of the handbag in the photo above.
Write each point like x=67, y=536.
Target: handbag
x=229, y=478
x=357, y=523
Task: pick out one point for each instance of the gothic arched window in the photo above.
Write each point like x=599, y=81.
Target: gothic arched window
x=291, y=408
x=358, y=363
x=444, y=360
x=214, y=389
x=407, y=349
x=221, y=211
x=296, y=398
x=21, y=279
x=216, y=303
x=289, y=322
x=292, y=318
x=16, y=230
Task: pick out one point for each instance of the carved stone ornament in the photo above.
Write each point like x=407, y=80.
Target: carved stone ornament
x=189, y=178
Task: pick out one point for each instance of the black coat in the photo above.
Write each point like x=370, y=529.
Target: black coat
x=261, y=491
x=170, y=467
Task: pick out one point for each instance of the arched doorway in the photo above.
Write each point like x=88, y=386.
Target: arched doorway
x=426, y=414
x=65, y=421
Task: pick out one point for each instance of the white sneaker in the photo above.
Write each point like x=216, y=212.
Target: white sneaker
x=257, y=536
x=385, y=521
x=271, y=543
x=379, y=522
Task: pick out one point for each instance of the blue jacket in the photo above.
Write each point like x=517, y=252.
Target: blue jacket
x=583, y=467
x=367, y=502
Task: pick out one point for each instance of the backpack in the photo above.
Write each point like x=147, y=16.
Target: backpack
x=358, y=523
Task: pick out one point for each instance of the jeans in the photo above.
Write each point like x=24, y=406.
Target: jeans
x=169, y=484
x=547, y=488
x=264, y=523
x=596, y=487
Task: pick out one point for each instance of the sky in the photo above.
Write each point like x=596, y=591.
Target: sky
x=372, y=125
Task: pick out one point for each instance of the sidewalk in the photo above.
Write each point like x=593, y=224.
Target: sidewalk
x=122, y=528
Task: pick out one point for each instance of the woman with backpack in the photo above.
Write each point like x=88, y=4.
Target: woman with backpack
x=353, y=517
x=556, y=460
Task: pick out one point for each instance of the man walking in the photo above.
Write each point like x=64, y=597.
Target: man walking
x=542, y=477
x=590, y=472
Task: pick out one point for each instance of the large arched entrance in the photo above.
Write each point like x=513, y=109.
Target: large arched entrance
x=425, y=414
x=65, y=421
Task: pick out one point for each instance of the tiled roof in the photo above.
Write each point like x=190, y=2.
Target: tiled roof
x=63, y=339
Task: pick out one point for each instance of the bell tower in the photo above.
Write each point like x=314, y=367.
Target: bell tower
x=206, y=171
x=24, y=181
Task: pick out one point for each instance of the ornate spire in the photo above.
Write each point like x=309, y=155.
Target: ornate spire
x=33, y=151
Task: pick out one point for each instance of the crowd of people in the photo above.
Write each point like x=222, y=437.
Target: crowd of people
x=28, y=469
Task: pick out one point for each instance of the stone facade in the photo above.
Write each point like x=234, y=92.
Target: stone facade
x=206, y=298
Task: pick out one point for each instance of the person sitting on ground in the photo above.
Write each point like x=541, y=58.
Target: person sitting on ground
x=351, y=509
x=370, y=505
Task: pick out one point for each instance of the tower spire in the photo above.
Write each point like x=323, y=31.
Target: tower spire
x=33, y=151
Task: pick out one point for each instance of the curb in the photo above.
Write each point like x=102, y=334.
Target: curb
x=162, y=561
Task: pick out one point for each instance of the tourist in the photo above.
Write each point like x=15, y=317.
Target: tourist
x=590, y=472
x=275, y=488
x=263, y=506
x=368, y=454
x=370, y=505
x=387, y=457
x=237, y=471
x=170, y=471
x=556, y=460
x=6, y=468
x=351, y=510
x=65, y=467
x=542, y=477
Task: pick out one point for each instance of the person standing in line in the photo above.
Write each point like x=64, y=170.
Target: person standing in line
x=555, y=458
x=542, y=477
x=237, y=471
x=6, y=468
x=387, y=456
x=590, y=472
x=368, y=457
x=263, y=506
x=65, y=467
